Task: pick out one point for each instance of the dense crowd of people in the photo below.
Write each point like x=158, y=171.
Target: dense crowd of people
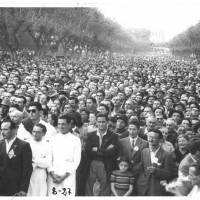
x=129, y=126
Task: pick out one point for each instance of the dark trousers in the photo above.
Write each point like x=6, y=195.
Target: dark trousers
x=97, y=172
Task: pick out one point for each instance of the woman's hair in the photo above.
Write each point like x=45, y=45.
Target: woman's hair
x=55, y=119
x=190, y=123
x=77, y=119
x=158, y=108
x=125, y=159
x=182, y=136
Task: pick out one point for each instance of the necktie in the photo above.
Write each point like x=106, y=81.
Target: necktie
x=133, y=144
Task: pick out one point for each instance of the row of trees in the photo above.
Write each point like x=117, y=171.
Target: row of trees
x=76, y=30
x=187, y=43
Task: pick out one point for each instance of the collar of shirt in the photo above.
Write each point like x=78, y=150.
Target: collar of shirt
x=9, y=144
x=154, y=152
x=131, y=139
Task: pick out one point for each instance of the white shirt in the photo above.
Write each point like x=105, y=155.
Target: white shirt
x=9, y=144
x=100, y=138
x=131, y=140
x=153, y=156
x=23, y=134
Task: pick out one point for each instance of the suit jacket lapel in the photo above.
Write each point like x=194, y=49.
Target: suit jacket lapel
x=4, y=153
x=147, y=158
x=13, y=145
x=138, y=144
x=128, y=146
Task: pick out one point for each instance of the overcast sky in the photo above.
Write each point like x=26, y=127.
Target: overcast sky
x=169, y=16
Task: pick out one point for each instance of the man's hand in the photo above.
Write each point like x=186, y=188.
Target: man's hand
x=54, y=176
x=151, y=169
x=59, y=179
x=94, y=148
x=110, y=146
x=22, y=193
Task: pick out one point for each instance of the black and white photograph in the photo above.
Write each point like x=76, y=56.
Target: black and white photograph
x=99, y=98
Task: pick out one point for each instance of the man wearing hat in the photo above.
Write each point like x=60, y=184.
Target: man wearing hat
x=160, y=94
x=179, y=106
x=4, y=108
x=121, y=127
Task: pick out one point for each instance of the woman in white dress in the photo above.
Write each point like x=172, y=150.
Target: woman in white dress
x=42, y=157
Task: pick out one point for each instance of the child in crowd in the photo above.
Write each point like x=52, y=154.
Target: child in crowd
x=122, y=180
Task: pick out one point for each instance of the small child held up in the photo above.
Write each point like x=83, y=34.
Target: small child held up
x=122, y=180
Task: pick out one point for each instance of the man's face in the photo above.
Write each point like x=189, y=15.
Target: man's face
x=3, y=110
x=121, y=124
x=116, y=101
x=89, y=103
x=38, y=133
x=10, y=88
x=168, y=102
x=151, y=122
x=99, y=97
x=156, y=104
x=6, y=132
x=67, y=89
x=33, y=113
x=67, y=109
x=128, y=91
x=107, y=85
x=23, y=88
x=133, y=131
x=111, y=126
x=102, y=123
x=16, y=80
x=18, y=92
x=7, y=95
x=3, y=79
x=153, y=139
x=121, y=96
x=176, y=117
x=128, y=105
x=15, y=117
x=169, y=125
x=147, y=110
x=43, y=99
x=63, y=126
x=44, y=90
x=72, y=103
x=20, y=102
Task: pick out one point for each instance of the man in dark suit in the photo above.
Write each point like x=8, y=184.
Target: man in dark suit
x=15, y=162
x=101, y=154
x=156, y=165
x=132, y=146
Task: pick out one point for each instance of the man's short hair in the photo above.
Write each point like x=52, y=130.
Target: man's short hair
x=12, y=124
x=135, y=123
x=102, y=115
x=160, y=135
x=37, y=105
x=22, y=97
x=42, y=126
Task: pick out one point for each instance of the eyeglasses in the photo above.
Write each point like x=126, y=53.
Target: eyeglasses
x=33, y=111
